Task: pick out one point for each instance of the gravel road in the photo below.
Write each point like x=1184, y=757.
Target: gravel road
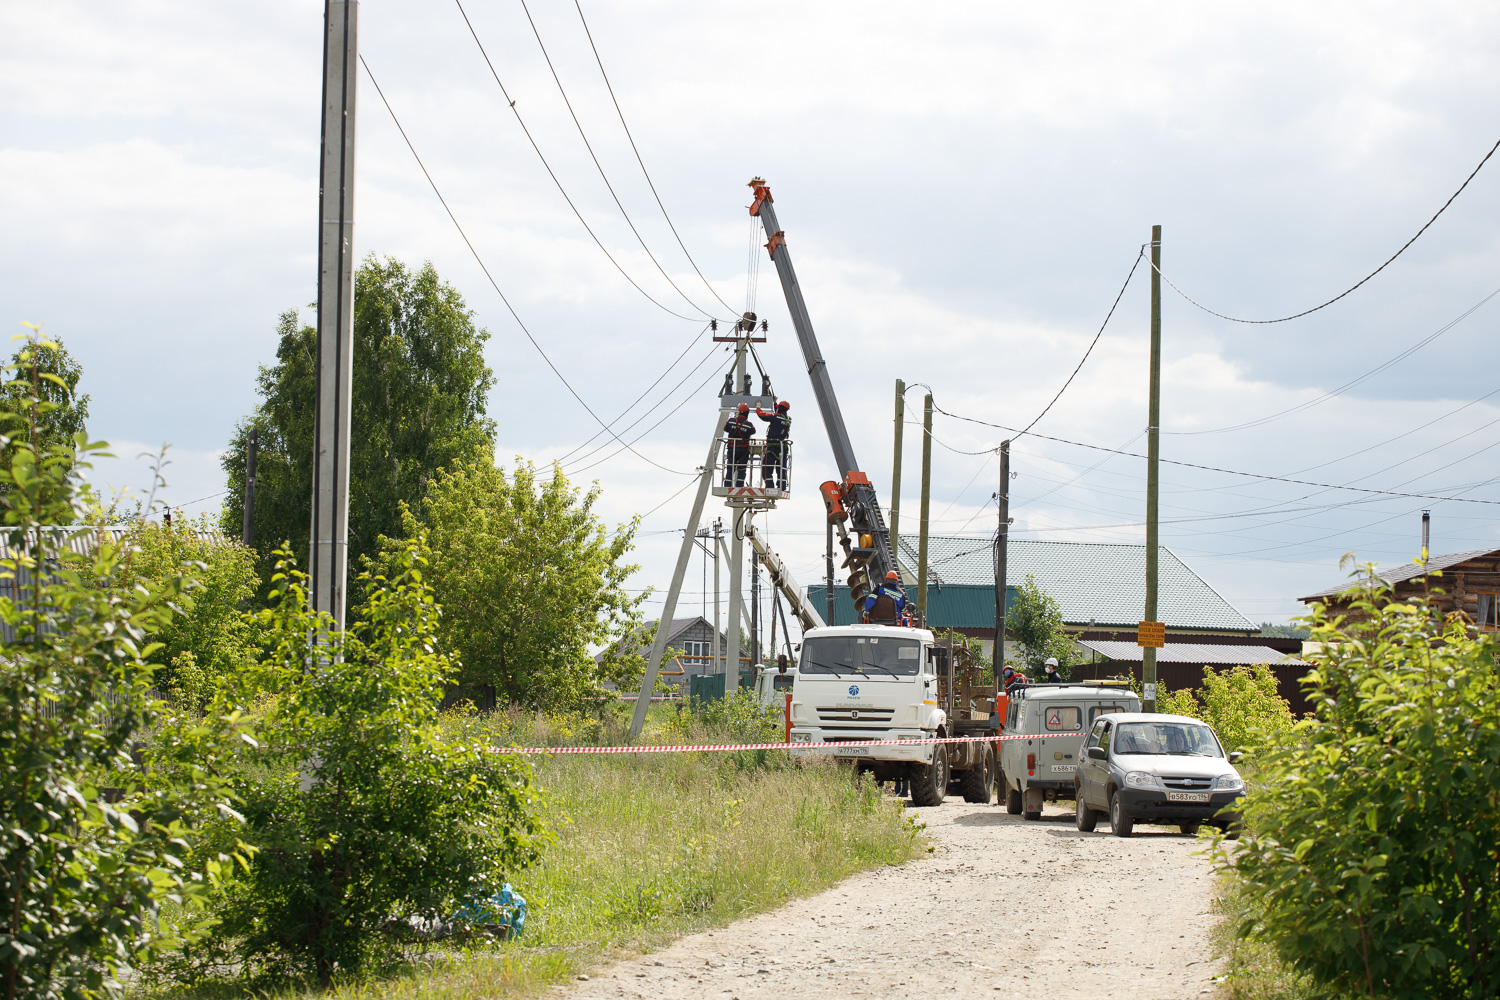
x=1002, y=908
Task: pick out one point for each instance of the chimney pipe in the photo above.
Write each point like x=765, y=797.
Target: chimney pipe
x=1426, y=533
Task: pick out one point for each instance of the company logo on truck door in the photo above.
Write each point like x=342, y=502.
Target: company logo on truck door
x=854, y=690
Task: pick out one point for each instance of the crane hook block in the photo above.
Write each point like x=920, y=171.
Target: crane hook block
x=833, y=501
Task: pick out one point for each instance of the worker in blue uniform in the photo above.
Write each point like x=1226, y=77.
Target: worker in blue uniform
x=738, y=430
x=778, y=440
x=878, y=609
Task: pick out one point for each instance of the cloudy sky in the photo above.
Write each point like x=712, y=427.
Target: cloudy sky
x=964, y=188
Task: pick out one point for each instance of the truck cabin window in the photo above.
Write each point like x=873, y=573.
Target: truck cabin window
x=1166, y=738
x=861, y=656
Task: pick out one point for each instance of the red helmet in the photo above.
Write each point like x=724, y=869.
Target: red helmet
x=744, y=407
x=892, y=576
x=783, y=405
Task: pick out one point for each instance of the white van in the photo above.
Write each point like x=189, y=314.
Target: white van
x=1050, y=722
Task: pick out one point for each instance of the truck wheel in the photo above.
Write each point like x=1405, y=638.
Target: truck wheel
x=1086, y=817
x=1012, y=797
x=1121, y=824
x=930, y=784
x=976, y=781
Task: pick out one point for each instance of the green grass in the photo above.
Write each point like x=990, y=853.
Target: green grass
x=1252, y=969
x=649, y=847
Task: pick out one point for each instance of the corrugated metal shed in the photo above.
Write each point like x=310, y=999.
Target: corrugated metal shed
x=1092, y=582
x=1201, y=654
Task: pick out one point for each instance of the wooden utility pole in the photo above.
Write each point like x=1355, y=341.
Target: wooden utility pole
x=926, y=503
x=896, y=469
x=1002, y=543
x=828, y=576
x=252, y=450
x=1153, y=460
x=328, y=562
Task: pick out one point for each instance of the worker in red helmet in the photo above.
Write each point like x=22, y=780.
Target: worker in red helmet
x=878, y=608
x=778, y=445
x=738, y=431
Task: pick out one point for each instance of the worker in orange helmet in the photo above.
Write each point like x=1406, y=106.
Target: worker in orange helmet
x=778, y=441
x=886, y=601
x=738, y=431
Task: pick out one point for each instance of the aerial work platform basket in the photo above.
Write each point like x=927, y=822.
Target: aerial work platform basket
x=759, y=475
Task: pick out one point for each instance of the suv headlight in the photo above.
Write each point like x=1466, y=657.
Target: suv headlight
x=1229, y=783
x=1142, y=779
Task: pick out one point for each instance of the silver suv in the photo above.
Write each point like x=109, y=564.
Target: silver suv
x=1156, y=769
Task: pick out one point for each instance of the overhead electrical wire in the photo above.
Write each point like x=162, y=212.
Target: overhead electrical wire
x=561, y=190
x=1352, y=382
x=644, y=172
x=636, y=402
x=600, y=167
x=1208, y=468
x=1357, y=284
x=495, y=285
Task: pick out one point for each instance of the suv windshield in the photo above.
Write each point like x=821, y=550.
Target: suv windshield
x=860, y=654
x=1166, y=738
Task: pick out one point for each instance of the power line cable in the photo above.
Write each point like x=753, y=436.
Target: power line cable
x=637, y=401
x=550, y=173
x=1208, y=468
x=600, y=167
x=1352, y=382
x=493, y=284
x=1357, y=284
x=647, y=174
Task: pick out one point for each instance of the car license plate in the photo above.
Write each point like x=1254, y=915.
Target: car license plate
x=1064, y=768
x=1187, y=796
x=850, y=751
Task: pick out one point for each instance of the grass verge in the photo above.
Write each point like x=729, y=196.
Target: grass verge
x=1252, y=969
x=647, y=848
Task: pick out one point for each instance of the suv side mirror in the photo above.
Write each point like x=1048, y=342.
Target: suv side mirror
x=1096, y=753
x=1235, y=757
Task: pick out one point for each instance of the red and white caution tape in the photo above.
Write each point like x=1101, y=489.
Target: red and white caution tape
x=710, y=747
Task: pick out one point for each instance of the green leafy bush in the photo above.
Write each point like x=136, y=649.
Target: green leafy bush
x=1034, y=620
x=365, y=816
x=1241, y=704
x=100, y=783
x=1371, y=860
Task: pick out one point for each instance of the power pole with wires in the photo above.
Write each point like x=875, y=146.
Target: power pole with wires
x=1002, y=543
x=328, y=562
x=926, y=503
x=252, y=451
x=896, y=468
x=1153, y=463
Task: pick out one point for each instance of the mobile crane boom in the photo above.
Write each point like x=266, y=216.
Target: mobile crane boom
x=868, y=555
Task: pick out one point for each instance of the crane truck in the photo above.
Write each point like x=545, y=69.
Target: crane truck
x=867, y=683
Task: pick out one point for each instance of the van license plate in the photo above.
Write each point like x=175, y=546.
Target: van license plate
x=1064, y=768
x=1187, y=796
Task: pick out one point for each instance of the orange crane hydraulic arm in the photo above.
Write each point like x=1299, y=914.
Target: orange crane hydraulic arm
x=868, y=556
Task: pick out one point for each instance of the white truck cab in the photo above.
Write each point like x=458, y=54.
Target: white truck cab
x=869, y=683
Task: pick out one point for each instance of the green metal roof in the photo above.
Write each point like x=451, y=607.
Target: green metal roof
x=960, y=606
x=1103, y=584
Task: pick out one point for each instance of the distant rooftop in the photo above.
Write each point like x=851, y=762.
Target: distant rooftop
x=1407, y=571
x=1103, y=584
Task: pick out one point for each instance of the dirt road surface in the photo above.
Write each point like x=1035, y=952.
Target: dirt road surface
x=1002, y=908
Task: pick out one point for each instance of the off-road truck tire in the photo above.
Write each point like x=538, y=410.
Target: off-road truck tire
x=929, y=784
x=976, y=781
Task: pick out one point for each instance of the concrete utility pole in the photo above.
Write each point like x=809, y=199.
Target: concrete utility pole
x=740, y=517
x=1002, y=543
x=252, y=450
x=1153, y=461
x=896, y=469
x=718, y=624
x=926, y=502
x=829, y=576
x=328, y=562
x=684, y=556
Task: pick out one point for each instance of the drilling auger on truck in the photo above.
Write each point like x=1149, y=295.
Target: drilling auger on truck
x=866, y=683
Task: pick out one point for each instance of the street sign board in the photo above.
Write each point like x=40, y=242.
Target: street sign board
x=1151, y=635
